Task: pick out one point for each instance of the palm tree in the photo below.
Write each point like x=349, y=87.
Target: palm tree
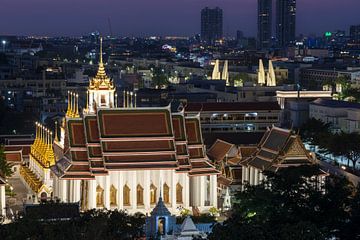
x=5, y=167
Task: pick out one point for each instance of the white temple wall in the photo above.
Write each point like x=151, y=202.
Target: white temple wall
x=2, y=200
x=194, y=188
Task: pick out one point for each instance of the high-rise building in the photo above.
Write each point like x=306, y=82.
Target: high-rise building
x=211, y=24
x=285, y=22
x=264, y=23
x=355, y=33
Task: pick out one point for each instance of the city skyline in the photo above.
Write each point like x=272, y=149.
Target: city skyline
x=159, y=17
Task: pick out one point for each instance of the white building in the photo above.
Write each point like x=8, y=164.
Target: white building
x=343, y=116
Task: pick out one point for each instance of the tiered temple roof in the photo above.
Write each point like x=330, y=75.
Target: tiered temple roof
x=279, y=148
x=132, y=139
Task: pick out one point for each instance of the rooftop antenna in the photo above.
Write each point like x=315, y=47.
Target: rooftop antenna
x=110, y=28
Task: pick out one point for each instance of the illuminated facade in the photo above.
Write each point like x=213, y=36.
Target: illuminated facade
x=36, y=173
x=126, y=157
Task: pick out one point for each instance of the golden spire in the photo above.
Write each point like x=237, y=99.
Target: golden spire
x=101, y=80
x=69, y=109
x=76, y=112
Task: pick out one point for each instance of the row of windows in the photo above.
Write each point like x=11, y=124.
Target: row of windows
x=139, y=195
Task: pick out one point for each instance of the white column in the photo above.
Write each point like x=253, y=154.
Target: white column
x=186, y=191
x=107, y=191
x=71, y=190
x=133, y=190
x=147, y=190
x=202, y=190
x=260, y=176
x=76, y=189
x=2, y=200
x=173, y=189
x=251, y=181
x=246, y=174
x=63, y=191
x=92, y=194
x=213, y=191
x=120, y=190
x=160, y=184
x=256, y=176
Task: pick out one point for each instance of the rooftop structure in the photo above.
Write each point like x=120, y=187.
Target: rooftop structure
x=279, y=148
x=118, y=157
x=235, y=116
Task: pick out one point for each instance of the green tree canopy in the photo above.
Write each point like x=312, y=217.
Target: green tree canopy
x=290, y=204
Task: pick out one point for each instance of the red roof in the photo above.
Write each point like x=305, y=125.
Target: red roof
x=231, y=106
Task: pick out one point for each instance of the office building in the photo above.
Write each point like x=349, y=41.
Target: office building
x=211, y=24
x=355, y=33
x=285, y=22
x=264, y=23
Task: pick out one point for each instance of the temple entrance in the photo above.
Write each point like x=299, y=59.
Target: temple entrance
x=161, y=226
x=43, y=196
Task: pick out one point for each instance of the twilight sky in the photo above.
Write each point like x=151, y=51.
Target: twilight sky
x=160, y=17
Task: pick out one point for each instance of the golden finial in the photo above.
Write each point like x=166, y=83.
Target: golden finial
x=87, y=100
x=124, y=99
x=69, y=109
x=131, y=99
x=101, y=80
x=101, y=57
x=76, y=113
x=56, y=129
x=73, y=104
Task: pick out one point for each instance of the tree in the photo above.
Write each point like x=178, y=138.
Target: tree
x=289, y=204
x=159, y=78
x=315, y=132
x=5, y=167
x=92, y=224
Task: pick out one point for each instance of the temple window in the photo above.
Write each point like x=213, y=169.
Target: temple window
x=113, y=193
x=166, y=193
x=153, y=194
x=99, y=196
x=179, y=190
x=140, y=194
x=126, y=195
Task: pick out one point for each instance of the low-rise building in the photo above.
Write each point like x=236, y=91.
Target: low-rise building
x=343, y=116
x=236, y=116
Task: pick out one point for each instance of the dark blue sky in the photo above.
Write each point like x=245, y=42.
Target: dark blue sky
x=160, y=17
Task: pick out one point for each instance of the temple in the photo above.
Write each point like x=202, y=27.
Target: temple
x=279, y=148
x=123, y=157
x=36, y=173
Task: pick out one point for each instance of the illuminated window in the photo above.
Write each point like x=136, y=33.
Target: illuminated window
x=126, y=195
x=99, y=196
x=113, y=193
x=179, y=189
x=140, y=194
x=166, y=193
x=153, y=194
